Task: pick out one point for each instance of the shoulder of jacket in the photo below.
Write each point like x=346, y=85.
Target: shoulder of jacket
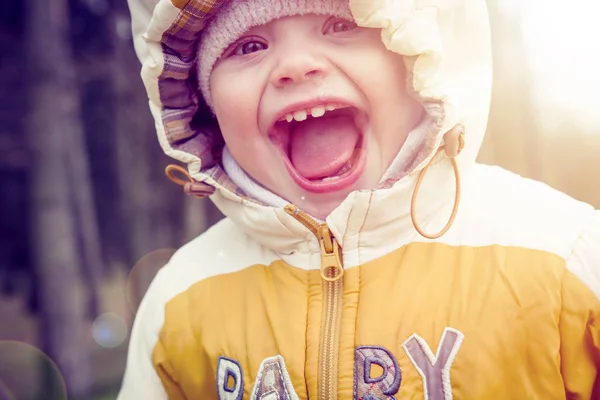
x=224, y=248
x=512, y=210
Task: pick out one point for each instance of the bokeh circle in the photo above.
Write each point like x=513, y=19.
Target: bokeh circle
x=109, y=330
x=28, y=373
x=142, y=274
x=5, y=394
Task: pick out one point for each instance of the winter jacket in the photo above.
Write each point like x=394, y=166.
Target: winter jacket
x=272, y=304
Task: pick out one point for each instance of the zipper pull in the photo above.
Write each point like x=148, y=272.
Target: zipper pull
x=331, y=262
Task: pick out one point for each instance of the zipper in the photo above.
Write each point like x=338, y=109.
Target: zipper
x=332, y=273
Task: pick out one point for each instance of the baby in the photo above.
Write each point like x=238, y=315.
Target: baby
x=365, y=254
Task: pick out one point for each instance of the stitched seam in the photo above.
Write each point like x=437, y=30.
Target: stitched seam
x=362, y=227
x=306, y=330
x=574, y=246
x=560, y=312
x=579, y=237
x=359, y=266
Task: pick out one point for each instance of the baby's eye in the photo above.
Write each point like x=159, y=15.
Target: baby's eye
x=251, y=46
x=338, y=25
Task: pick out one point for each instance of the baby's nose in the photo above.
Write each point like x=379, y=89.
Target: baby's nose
x=297, y=68
x=297, y=77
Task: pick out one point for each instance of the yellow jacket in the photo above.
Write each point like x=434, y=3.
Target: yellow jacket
x=271, y=304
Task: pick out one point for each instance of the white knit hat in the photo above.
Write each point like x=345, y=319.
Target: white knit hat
x=238, y=16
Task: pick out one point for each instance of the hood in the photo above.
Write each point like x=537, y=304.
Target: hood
x=445, y=44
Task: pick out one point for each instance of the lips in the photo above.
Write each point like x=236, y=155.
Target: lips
x=322, y=144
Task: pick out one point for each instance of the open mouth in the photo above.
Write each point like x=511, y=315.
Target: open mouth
x=323, y=145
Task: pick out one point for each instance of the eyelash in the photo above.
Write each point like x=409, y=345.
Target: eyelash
x=237, y=46
x=333, y=21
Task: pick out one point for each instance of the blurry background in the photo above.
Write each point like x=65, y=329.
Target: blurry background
x=87, y=216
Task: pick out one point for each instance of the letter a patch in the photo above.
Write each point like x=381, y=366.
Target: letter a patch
x=273, y=381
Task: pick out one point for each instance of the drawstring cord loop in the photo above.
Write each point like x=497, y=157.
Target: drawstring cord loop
x=454, y=142
x=190, y=186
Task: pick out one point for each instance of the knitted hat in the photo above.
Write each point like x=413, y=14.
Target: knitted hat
x=238, y=16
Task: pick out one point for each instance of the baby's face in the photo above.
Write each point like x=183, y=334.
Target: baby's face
x=313, y=108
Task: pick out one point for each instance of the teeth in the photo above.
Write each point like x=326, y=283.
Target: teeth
x=329, y=178
x=318, y=111
x=300, y=115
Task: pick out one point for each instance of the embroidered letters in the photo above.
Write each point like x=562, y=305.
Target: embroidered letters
x=384, y=386
x=273, y=381
x=230, y=380
x=435, y=370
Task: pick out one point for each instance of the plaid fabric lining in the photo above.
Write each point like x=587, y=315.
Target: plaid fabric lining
x=179, y=94
x=219, y=176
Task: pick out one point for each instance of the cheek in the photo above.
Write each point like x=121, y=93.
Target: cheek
x=394, y=93
x=381, y=69
x=392, y=73
x=385, y=85
x=235, y=107
x=393, y=109
x=235, y=101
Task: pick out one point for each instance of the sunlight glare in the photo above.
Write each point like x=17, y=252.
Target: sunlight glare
x=562, y=39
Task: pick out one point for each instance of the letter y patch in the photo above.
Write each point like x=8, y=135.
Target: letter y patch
x=435, y=370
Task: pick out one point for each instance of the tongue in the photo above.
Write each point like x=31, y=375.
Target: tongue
x=320, y=147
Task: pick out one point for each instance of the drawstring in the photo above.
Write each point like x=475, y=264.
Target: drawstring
x=191, y=187
x=454, y=141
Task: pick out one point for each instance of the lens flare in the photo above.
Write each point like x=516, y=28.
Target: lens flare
x=109, y=330
x=27, y=373
x=142, y=273
x=563, y=58
x=5, y=393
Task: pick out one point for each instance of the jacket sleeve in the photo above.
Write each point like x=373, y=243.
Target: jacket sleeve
x=579, y=320
x=142, y=379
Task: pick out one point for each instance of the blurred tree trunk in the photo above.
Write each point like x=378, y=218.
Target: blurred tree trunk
x=87, y=233
x=55, y=132
x=133, y=130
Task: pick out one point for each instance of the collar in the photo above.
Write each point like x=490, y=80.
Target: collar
x=366, y=219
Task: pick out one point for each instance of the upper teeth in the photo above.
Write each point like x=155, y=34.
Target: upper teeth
x=316, y=112
x=300, y=115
